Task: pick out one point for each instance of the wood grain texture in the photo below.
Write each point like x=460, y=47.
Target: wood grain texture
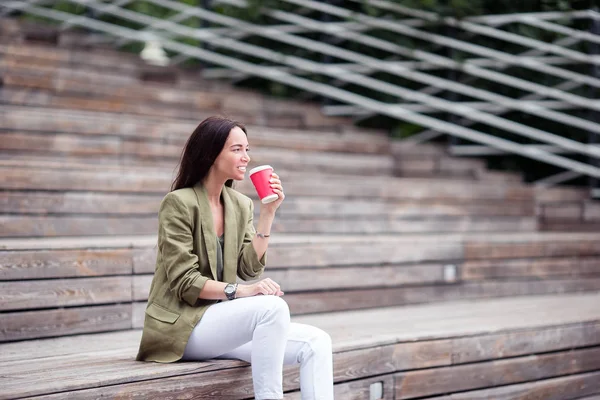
x=66, y=321
x=67, y=225
x=95, y=366
x=312, y=302
x=541, y=268
x=564, y=388
x=41, y=264
x=34, y=294
x=130, y=181
x=43, y=202
x=452, y=379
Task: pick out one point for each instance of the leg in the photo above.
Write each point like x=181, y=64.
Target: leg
x=264, y=320
x=311, y=348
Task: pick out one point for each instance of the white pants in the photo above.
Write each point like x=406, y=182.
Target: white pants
x=258, y=330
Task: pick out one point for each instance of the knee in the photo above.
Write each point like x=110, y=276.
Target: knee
x=322, y=342
x=278, y=309
x=319, y=342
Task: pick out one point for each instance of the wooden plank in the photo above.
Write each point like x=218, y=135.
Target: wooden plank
x=564, y=388
x=176, y=131
x=59, y=143
x=410, y=354
x=461, y=318
x=30, y=351
x=402, y=225
x=305, y=303
x=357, y=390
x=357, y=299
x=219, y=381
x=294, y=280
x=531, y=267
x=32, y=294
x=32, y=202
x=39, y=202
x=27, y=226
x=61, y=81
x=16, y=265
x=44, y=98
x=96, y=369
x=478, y=250
x=525, y=341
x=84, y=123
x=38, y=179
x=431, y=382
x=33, y=225
x=562, y=211
x=67, y=321
x=212, y=384
x=591, y=211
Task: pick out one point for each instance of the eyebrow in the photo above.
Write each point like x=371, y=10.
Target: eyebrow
x=241, y=145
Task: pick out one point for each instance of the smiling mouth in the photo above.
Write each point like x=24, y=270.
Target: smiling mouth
x=242, y=169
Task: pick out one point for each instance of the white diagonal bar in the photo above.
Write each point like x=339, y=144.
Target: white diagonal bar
x=484, y=30
x=398, y=69
x=433, y=58
x=551, y=26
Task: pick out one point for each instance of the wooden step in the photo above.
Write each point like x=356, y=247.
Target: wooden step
x=288, y=113
x=400, y=346
x=64, y=146
x=111, y=281
x=295, y=183
x=76, y=225
x=131, y=204
x=175, y=131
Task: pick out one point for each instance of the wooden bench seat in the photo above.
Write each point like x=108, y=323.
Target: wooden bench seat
x=459, y=349
x=57, y=286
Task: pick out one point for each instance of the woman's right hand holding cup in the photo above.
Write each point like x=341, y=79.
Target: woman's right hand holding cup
x=265, y=287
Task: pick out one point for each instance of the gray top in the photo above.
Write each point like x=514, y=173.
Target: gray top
x=220, y=246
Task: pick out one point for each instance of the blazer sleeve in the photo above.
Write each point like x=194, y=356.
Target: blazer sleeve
x=175, y=243
x=249, y=266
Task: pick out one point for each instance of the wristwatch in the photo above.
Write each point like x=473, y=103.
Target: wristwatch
x=230, y=290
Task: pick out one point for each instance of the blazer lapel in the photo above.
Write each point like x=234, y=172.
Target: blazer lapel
x=208, y=228
x=230, y=252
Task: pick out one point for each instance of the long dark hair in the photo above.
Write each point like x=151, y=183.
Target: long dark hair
x=201, y=150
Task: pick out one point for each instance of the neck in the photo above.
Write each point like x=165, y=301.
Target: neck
x=214, y=187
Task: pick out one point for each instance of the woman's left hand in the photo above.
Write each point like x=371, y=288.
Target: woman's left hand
x=278, y=189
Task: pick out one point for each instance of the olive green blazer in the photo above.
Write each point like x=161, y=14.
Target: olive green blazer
x=186, y=259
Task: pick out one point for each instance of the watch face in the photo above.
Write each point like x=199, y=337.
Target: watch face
x=229, y=289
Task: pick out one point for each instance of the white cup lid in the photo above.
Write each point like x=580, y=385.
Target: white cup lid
x=258, y=169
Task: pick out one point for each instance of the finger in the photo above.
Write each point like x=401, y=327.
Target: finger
x=270, y=281
x=273, y=289
x=268, y=287
x=263, y=290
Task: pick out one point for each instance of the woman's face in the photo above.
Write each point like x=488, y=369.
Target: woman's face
x=233, y=159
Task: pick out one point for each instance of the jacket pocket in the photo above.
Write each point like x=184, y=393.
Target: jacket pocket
x=162, y=314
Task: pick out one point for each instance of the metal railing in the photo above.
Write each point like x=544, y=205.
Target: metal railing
x=550, y=103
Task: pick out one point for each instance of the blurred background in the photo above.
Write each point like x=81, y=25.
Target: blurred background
x=440, y=161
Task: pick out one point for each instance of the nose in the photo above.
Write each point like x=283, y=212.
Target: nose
x=246, y=157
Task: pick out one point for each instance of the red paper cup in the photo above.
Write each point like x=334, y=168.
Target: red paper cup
x=260, y=177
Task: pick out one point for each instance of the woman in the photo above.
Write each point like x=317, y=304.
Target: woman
x=206, y=238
